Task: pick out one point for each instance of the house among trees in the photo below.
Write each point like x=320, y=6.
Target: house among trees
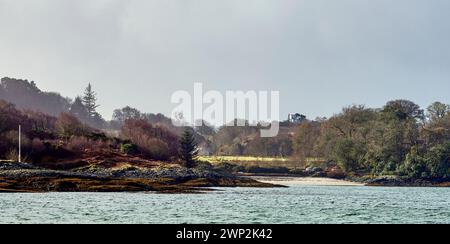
x=296, y=118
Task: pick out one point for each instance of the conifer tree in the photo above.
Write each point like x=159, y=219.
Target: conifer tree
x=90, y=101
x=188, y=149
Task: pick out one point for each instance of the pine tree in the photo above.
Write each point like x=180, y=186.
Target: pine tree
x=188, y=149
x=90, y=101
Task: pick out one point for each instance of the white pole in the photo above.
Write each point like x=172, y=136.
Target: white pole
x=20, y=143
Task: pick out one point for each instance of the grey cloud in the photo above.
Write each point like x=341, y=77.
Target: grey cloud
x=320, y=54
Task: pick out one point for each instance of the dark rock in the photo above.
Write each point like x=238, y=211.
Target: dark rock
x=15, y=166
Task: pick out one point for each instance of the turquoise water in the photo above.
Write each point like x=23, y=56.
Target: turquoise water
x=297, y=204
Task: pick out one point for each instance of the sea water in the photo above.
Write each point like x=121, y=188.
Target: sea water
x=296, y=204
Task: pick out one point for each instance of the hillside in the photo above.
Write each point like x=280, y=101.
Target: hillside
x=26, y=95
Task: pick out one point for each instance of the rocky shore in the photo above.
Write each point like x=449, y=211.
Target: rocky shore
x=398, y=181
x=136, y=175
x=21, y=177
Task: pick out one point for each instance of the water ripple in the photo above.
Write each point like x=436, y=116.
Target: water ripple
x=297, y=204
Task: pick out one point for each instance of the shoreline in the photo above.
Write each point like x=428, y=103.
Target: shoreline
x=381, y=181
x=81, y=184
x=304, y=181
x=22, y=177
x=170, y=178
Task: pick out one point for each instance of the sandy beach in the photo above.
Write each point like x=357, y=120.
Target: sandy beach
x=307, y=181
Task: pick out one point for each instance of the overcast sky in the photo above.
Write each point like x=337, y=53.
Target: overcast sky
x=320, y=54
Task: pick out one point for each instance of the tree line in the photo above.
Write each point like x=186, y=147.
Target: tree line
x=399, y=139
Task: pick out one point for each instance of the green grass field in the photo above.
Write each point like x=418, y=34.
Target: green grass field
x=263, y=162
